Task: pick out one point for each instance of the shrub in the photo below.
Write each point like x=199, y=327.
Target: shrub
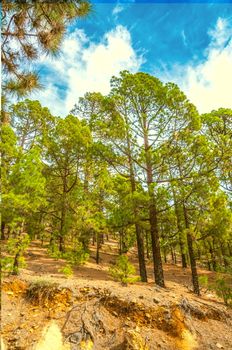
x=74, y=257
x=67, y=270
x=123, y=271
x=54, y=252
x=203, y=281
x=77, y=257
x=48, y=294
x=7, y=264
x=15, y=247
x=223, y=289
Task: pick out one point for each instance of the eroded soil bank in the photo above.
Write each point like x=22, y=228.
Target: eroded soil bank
x=88, y=315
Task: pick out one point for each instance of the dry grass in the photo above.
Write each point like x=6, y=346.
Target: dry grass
x=48, y=294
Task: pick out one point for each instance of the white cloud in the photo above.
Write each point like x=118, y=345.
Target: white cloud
x=117, y=9
x=183, y=36
x=86, y=66
x=209, y=84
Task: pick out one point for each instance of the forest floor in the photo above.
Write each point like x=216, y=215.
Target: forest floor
x=91, y=311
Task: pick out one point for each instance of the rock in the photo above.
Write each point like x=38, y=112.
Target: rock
x=156, y=301
x=141, y=297
x=75, y=338
x=219, y=346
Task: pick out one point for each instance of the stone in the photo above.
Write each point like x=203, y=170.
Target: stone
x=219, y=346
x=156, y=301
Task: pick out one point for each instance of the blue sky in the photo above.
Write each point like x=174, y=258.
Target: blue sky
x=188, y=43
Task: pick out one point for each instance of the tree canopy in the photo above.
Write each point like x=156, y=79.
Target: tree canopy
x=139, y=165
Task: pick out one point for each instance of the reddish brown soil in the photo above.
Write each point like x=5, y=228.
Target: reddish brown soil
x=21, y=320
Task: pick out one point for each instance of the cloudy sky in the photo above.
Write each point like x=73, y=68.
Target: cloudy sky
x=187, y=43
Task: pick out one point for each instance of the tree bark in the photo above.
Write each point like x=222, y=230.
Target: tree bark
x=98, y=247
x=63, y=213
x=193, y=265
x=16, y=264
x=153, y=220
x=213, y=259
x=147, y=245
x=180, y=231
x=3, y=226
x=139, y=235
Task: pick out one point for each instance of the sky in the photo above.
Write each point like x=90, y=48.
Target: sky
x=187, y=43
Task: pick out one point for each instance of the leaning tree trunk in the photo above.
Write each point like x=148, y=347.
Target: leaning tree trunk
x=193, y=265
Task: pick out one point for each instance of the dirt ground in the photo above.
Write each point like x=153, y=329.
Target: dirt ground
x=102, y=314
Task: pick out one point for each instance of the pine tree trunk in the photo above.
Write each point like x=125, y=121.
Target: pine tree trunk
x=175, y=260
x=63, y=215
x=139, y=235
x=180, y=230
x=158, y=268
x=213, y=259
x=61, y=236
x=147, y=245
x=172, y=254
x=94, y=238
x=16, y=264
x=141, y=257
x=98, y=248
x=3, y=225
x=193, y=265
x=224, y=254
x=153, y=220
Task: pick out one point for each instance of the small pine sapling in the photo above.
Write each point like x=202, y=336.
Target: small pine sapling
x=67, y=270
x=123, y=271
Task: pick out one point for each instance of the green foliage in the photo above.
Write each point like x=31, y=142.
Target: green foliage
x=46, y=22
x=75, y=257
x=7, y=264
x=18, y=244
x=203, y=281
x=223, y=289
x=67, y=270
x=15, y=247
x=54, y=252
x=222, y=286
x=129, y=164
x=123, y=271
